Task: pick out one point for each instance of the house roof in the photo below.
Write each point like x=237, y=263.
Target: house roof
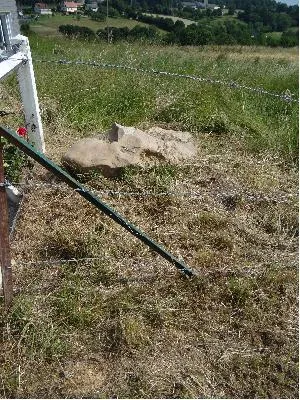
x=70, y=4
x=42, y=5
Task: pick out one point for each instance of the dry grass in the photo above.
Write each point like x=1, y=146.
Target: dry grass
x=256, y=52
x=130, y=326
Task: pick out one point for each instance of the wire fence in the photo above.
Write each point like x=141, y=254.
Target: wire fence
x=246, y=196
x=51, y=262
x=140, y=262
x=286, y=96
x=239, y=270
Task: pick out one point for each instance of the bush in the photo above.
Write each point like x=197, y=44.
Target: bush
x=77, y=31
x=97, y=16
x=136, y=33
x=14, y=162
x=25, y=29
x=289, y=39
x=166, y=24
x=273, y=41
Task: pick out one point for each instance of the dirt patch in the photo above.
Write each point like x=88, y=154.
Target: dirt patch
x=83, y=378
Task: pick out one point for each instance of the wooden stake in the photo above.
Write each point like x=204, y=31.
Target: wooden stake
x=5, y=260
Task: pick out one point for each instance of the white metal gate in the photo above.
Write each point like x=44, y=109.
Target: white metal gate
x=15, y=55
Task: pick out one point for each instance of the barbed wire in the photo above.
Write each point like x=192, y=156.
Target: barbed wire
x=59, y=261
x=281, y=198
x=248, y=270
x=287, y=96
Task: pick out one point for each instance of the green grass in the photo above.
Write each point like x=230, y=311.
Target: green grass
x=49, y=25
x=91, y=99
x=214, y=21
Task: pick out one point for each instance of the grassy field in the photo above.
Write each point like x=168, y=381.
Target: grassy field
x=46, y=26
x=184, y=20
x=89, y=98
x=219, y=20
x=128, y=325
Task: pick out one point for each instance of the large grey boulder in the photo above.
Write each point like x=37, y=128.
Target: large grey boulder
x=127, y=146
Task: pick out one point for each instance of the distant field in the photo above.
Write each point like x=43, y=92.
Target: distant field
x=219, y=20
x=49, y=25
x=202, y=21
x=184, y=20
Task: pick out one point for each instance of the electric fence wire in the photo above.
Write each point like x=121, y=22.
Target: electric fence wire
x=281, y=198
x=59, y=261
x=243, y=270
x=286, y=96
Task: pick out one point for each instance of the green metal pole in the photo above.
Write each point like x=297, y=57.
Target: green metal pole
x=14, y=138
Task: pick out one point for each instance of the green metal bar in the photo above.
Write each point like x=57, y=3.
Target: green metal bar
x=14, y=138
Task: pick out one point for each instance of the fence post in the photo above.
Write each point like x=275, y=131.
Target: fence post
x=29, y=98
x=5, y=260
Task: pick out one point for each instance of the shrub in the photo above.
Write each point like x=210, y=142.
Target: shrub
x=273, y=41
x=25, y=29
x=97, y=16
x=136, y=33
x=76, y=31
x=289, y=39
x=14, y=162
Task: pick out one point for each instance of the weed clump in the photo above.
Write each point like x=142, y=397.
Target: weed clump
x=217, y=124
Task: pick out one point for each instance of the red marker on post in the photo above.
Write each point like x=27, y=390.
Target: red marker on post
x=22, y=131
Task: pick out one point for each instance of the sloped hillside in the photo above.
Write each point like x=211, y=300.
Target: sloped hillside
x=98, y=315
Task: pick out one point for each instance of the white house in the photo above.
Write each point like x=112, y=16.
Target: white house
x=42, y=9
x=196, y=4
x=190, y=4
x=69, y=7
x=92, y=6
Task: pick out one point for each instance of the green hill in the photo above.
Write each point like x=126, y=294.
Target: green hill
x=49, y=26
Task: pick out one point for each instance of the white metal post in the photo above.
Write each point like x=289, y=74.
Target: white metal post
x=29, y=98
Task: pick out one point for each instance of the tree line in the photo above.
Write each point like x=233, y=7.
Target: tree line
x=251, y=27
x=229, y=32
x=258, y=18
